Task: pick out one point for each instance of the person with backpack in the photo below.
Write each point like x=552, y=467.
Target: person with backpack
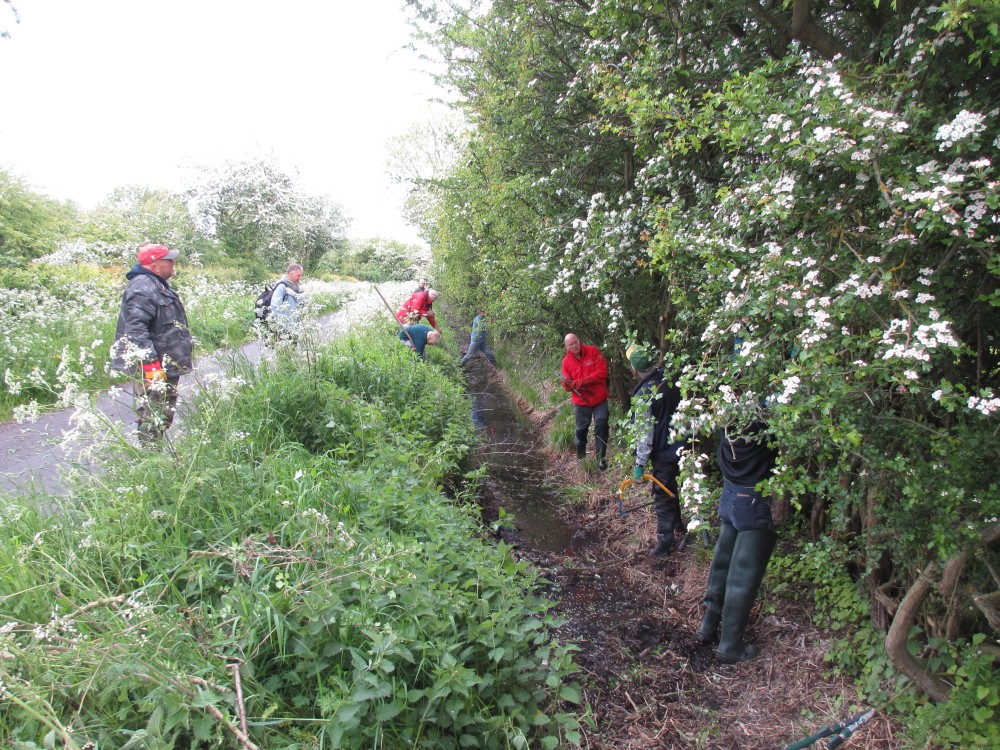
x=278, y=307
x=287, y=298
x=654, y=401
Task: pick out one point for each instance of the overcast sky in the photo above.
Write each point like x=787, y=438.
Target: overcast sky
x=106, y=93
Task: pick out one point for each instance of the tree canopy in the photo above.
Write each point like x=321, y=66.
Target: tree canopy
x=812, y=180
x=258, y=212
x=31, y=224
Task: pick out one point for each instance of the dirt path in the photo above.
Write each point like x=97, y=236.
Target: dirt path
x=34, y=456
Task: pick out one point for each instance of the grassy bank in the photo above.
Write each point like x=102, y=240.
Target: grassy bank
x=298, y=570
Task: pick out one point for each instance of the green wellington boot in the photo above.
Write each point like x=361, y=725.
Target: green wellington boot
x=751, y=553
x=715, y=591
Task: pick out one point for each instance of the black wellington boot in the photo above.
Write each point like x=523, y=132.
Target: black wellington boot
x=581, y=450
x=715, y=590
x=751, y=553
x=664, y=545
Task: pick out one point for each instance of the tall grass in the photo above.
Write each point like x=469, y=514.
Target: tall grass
x=289, y=575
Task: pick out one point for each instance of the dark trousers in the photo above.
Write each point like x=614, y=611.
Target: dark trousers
x=599, y=414
x=668, y=509
x=155, y=407
x=479, y=346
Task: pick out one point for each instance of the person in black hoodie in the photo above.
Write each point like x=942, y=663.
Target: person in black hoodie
x=746, y=541
x=654, y=447
x=152, y=341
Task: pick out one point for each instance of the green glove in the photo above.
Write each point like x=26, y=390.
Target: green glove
x=637, y=473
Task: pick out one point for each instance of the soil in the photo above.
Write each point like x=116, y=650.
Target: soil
x=647, y=682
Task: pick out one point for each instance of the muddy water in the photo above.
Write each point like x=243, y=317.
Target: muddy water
x=516, y=478
x=601, y=614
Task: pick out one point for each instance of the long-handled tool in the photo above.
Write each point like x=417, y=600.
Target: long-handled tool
x=839, y=733
x=564, y=379
x=443, y=342
x=625, y=511
x=387, y=307
x=630, y=480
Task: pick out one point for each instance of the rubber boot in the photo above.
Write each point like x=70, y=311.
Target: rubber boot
x=715, y=590
x=581, y=450
x=602, y=463
x=664, y=545
x=751, y=553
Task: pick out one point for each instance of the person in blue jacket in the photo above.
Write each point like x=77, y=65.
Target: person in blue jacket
x=478, y=342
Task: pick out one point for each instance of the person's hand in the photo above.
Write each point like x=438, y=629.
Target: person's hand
x=569, y=383
x=637, y=472
x=153, y=372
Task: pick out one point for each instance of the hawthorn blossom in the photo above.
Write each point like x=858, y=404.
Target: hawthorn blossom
x=965, y=124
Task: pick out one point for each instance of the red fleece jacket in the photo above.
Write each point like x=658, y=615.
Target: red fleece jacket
x=589, y=373
x=420, y=303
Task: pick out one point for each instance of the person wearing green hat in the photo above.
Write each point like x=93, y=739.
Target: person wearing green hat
x=654, y=401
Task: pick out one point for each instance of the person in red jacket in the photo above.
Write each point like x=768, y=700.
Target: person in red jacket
x=585, y=376
x=419, y=306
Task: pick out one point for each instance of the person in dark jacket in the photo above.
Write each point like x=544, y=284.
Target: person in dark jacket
x=152, y=341
x=655, y=400
x=746, y=541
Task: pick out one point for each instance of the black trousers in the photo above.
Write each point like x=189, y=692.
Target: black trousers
x=668, y=509
x=599, y=414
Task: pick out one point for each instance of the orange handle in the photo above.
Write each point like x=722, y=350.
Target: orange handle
x=629, y=481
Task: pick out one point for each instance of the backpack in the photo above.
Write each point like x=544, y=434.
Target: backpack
x=262, y=307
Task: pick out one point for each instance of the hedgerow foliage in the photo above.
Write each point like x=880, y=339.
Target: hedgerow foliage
x=289, y=575
x=814, y=179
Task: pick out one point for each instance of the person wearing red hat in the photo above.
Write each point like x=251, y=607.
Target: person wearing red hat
x=152, y=341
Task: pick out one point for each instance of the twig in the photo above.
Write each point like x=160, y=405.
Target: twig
x=235, y=666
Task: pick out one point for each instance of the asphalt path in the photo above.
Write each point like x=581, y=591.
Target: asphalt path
x=34, y=459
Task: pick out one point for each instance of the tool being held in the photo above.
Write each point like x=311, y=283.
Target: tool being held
x=571, y=386
x=624, y=511
x=839, y=732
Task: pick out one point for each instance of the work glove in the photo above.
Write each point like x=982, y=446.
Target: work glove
x=153, y=372
x=637, y=472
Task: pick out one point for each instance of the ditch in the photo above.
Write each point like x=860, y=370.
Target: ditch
x=647, y=683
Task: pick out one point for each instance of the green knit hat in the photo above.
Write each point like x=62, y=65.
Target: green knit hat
x=639, y=359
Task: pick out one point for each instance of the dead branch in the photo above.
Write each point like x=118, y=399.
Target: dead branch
x=989, y=605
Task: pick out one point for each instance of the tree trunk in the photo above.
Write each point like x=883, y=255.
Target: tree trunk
x=899, y=635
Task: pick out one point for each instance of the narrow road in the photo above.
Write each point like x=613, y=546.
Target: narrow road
x=34, y=456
